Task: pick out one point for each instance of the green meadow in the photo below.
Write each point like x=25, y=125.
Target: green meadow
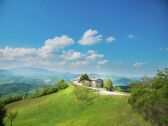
x=64, y=109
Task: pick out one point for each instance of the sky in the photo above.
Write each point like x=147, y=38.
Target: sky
x=113, y=37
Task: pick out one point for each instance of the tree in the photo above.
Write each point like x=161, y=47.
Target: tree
x=81, y=93
x=84, y=77
x=150, y=98
x=2, y=113
x=62, y=84
x=12, y=115
x=108, y=84
x=117, y=88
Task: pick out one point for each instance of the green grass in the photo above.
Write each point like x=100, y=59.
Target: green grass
x=63, y=109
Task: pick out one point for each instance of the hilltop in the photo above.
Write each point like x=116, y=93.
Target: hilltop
x=63, y=109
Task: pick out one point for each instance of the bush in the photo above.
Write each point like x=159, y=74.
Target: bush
x=108, y=85
x=150, y=98
x=117, y=88
x=60, y=85
x=11, y=99
x=81, y=93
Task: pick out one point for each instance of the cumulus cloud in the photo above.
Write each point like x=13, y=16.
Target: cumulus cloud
x=55, y=44
x=79, y=63
x=50, y=46
x=93, y=55
x=131, y=36
x=52, y=55
x=72, y=55
x=90, y=37
x=110, y=39
x=102, y=62
x=138, y=64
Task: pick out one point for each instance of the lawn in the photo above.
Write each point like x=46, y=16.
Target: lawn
x=63, y=109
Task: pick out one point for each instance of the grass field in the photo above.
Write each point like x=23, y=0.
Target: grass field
x=63, y=109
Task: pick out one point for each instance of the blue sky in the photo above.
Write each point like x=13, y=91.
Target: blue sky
x=117, y=37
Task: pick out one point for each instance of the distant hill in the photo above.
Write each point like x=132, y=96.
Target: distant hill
x=33, y=78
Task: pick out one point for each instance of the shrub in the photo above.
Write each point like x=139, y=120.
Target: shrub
x=117, y=88
x=61, y=85
x=108, y=85
x=11, y=99
x=150, y=98
x=81, y=93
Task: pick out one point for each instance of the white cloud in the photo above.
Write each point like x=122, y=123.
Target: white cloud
x=52, y=55
x=55, y=44
x=83, y=63
x=102, y=62
x=71, y=55
x=93, y=55
x=110, y=39
x=90, y=37
x=131, y=36
x=49, y=47
x=138, y=64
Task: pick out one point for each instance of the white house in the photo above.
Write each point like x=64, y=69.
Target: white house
x=94, y=82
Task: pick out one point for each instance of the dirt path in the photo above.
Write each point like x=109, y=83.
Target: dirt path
x=104, y=92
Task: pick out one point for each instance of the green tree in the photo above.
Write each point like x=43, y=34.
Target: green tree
x=81, y=93
x=117, y=88
x=2, y=113
x=12, y=115
x=108, y=84
x=84, y=77
x=150, y=98
x=62, y=84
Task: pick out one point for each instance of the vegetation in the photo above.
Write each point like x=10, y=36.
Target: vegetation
x=60, y=85
x=107, y=84
x=11, y=99
x=117, y=88
x=2, y=113
x=81, y=93
x=64, y=109
x=11, y=116
x=86, y=83
x=84, y=77
x=15, y=89
x=150, y=98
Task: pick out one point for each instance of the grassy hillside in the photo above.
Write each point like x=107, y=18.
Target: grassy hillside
x=63, y=109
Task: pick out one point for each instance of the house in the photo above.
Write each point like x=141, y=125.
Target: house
x=96, y=82
x=76, y=80
x=93, y=82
